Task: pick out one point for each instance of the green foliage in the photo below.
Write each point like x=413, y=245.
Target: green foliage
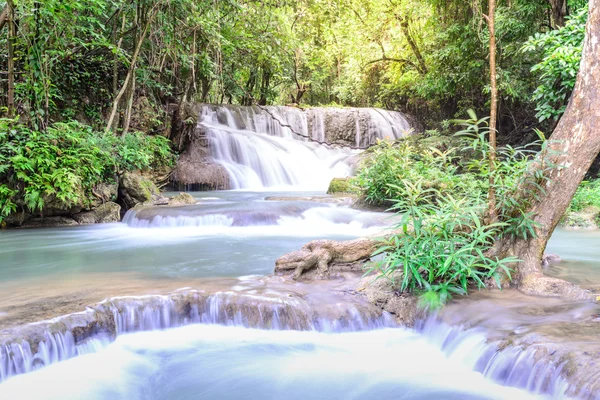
x=444, y=236
x=67, y=161
x=561, y=49
x=389, y=165
x=587, y=195
x=441, y=249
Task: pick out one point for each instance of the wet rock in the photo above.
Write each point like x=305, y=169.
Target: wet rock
x=104, y=213
x=182, y=199
x=49, y=222
x=104, y=192
x=550, y=259
x=384, y=292
x=135, y=189
x=200, y=174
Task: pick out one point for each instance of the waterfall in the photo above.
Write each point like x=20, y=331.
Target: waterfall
x=509, y=366
x=37, y=345
x=269, y=147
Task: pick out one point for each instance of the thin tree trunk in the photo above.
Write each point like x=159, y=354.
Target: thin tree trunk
x=130, y=72
x=413, y=45
x=130, y=96
x=116, y=57
x=493, y=110
x=575, y=143
x=11, y=58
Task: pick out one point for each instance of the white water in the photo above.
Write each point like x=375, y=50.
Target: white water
x=216, y=362
x=259, y=151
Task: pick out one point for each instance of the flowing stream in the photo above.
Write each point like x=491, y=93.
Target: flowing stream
x=177, y=303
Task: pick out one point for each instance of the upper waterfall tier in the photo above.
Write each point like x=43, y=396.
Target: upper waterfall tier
x=237, y=147
x=357, y=127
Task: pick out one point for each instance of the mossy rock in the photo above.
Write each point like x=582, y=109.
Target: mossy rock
x=341, y=185
x=182, y=199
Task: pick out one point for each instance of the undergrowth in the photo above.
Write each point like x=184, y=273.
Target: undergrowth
x=66, y=161
x=444, y=238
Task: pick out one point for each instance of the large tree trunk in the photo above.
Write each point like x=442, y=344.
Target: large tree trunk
x=577, y=138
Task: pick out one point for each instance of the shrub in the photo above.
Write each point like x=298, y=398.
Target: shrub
x=66, y=161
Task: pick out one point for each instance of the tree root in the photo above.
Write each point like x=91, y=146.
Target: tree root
x=540, y=285
x=317, y=259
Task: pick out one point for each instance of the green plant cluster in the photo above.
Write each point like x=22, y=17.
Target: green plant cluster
x=445, y=235
x=587, y=195
x=66, y=161
x=562, y=49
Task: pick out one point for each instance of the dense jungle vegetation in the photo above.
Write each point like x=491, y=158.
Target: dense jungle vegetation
x=124, y=64
x=92, y=88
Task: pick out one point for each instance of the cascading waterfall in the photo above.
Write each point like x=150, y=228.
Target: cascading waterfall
x=41, y=344
x=259, y=148
x=509, y=366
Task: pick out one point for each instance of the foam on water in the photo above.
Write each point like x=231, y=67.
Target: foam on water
x=204, y=361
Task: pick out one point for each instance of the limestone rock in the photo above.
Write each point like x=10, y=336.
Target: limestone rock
x=104, y=192
x=384, y=293
x=49, y=222
x=340, y=185
x=182, y=199
x=135, y=189
x=201, y=174
x=104, y=213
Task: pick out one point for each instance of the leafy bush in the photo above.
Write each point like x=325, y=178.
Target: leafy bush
x=562, y=49
x=587, y=195
x=66, y=161
x=441, y=248
x=445, y=233
x=381, y=177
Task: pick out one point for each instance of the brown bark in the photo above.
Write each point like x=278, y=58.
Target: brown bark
x=317, y=258
x=11, y=58
x=491, y=19
x=4, y=16
x=576, y=140
x=559, y=12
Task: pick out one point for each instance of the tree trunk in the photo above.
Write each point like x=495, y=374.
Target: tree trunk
x=413, y=45
x=491, y=19
x=577, y=139
x=131, y=71
x=11, y=58
x=559, y=12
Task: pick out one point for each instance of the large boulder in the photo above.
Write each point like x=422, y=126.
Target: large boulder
x=341, y=185
x=134, y=189
x=104, y=213
x=201, y=174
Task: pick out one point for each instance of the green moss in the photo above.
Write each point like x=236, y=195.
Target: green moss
x=341, y=185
